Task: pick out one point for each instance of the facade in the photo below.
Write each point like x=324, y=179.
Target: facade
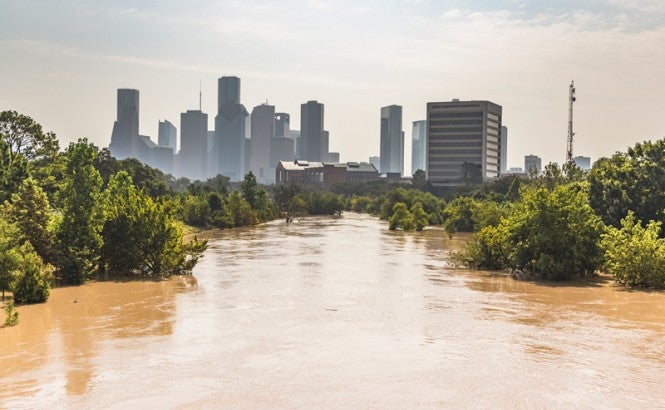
x=281, y=149
x=193, y=155
x=462, y=142
x=323, y=174
x=333, y=157
x=167, y=135
x=583, y=162
x=162, y=159
x=532, y=162
x=125, y=140
x=282, y=124
x=312, y=138
x=503, y=149
x=230, y=129
x=375, y=161
x=392, y=140
x=297, y=145
x=418, y=146
x=262, y=131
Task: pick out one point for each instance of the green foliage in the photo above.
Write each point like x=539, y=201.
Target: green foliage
x=401, y=218
x=139, y=237
x=30, y=211
x=325, y=204
x=552, y=234
x=420, y=219
x=431, y=205
x=10, y=258
x=78, y=234
x=635, y=255
x=630, y=181
x=360, y=203
x=11, y=314
x=33, y=283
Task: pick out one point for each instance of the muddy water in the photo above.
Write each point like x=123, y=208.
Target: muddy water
x=336, y=313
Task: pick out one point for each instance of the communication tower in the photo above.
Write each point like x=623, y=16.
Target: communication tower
x=571, y=134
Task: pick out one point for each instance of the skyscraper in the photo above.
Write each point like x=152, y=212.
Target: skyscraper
x=311, y=132
x=532, y=162
x=503, y=149
x=193, y=154
x=462, y=142
x=418, y=146
x=583, y=162
x=392, y=140
x=263, y=131
x=167, y=135
x=125, y=140
x=282, y=124
x=230, y=129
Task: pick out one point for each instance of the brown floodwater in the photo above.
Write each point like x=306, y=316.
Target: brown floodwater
x=336, y=313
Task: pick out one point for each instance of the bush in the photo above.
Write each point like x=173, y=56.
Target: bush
x=33, y=284
x=635, y=255
x=553, y=235
x=11, y=314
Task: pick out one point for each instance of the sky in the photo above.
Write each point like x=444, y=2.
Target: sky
x=62, y=62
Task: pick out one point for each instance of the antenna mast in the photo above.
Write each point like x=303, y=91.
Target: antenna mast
x=571, y=100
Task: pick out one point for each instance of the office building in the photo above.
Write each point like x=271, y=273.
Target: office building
x=312, y=139
x=193, y=155
x=262, y=132
x=532, y=163
x=503, y=149
x=125, y=140
x=583, y=162
x=230, y=129
x=167, y=135
x=324, y=174
x=418, y=146
x=282, y=124
x=392, y=140
x=462, y=142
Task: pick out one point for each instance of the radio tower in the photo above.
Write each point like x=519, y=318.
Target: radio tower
x=571, y=100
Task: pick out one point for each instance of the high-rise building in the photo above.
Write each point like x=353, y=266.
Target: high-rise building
x=392, y=140
x=503, y=149
x=230, y=129
x=193, y=155
x=311, y=132
x=282, y=124
x=532, y=163
x=167, y=135
x=281, y=149
x=462, y=142
x=263, y=131
x=418, y=146
x=583, y=162
x=125, y=140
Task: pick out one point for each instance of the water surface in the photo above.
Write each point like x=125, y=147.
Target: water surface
x=336, y=313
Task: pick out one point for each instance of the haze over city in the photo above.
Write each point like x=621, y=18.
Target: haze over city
x=63, y=63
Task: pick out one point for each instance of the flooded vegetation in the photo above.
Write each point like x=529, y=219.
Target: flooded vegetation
x=336, y=312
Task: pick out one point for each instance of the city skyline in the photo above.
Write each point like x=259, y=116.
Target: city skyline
x=66, y=61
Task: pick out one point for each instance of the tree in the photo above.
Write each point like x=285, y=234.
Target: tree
x=11, y=313
x=12, y=171
x=419, y=180
x=25, y=137
x=10, y=258
x=635, y=254
x=30, y=211
x=78, y=234
x=401, y=218
x=420, y=219
x=630, y=181
x=139, y=237
x=552, y=234
x=33, y=283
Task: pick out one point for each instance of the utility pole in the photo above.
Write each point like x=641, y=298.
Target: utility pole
x=571, y=134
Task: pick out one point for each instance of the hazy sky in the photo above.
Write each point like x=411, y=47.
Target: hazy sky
x=62, y=61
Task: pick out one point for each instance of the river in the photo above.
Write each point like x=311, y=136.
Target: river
x=336, y=313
